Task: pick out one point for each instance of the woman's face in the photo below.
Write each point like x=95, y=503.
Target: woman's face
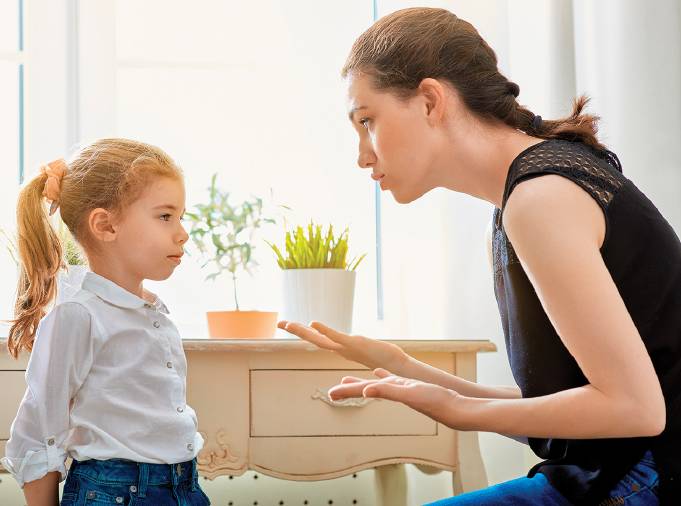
x=396, y=138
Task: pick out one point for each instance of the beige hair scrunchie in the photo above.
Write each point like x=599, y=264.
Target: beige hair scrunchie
x=55, y=171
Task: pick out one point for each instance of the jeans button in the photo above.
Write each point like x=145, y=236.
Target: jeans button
x=133, y=488
x=119, y=500
x=91, y=494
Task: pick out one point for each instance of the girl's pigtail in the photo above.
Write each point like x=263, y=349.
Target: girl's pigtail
x=40, y=259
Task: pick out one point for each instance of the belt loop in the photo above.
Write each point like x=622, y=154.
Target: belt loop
x=143, y=479
x=195, y=476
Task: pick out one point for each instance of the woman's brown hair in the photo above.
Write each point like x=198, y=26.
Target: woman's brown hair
x=407, y=46
x=108, y=174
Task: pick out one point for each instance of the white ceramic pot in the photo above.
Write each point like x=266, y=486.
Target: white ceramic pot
x=69, y=282
x=324, y=295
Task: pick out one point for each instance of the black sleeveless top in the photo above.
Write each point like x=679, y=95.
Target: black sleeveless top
x=643, y=254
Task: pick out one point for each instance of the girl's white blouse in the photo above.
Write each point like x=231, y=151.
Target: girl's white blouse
x=106, y=379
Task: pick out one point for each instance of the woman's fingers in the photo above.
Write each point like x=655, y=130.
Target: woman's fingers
x=351, y=379
x=309, y=334
x=382, y=373
x=329, y=332
x=389, y=391
x=348, y=390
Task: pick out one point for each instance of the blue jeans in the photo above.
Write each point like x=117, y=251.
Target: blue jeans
x=123, y=482
x=637, y=488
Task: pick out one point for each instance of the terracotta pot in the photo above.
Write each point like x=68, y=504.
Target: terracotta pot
x=242, y=324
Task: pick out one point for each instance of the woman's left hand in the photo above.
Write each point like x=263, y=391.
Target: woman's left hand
x=434, y=401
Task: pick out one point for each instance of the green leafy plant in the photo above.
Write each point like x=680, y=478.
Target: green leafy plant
x=224, y=233
x=73, y=255
x=10, y=245
x=315, y=250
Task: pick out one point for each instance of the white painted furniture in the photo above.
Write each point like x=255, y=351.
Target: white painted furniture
x=262, y=405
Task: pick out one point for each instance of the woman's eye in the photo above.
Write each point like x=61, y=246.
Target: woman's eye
x=166, y=217
x=364, y=122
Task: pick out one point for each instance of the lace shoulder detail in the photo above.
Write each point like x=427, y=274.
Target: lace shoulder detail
x=599, y=174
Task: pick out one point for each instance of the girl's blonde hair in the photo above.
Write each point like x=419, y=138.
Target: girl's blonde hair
x=108, y=174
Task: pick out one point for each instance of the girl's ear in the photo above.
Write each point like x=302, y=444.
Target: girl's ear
x=435, y=96
x=101, y=225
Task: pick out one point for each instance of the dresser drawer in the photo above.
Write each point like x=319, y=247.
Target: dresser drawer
x=12, y=388
x=292, y=403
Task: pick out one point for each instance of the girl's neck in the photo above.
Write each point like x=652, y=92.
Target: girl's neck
x=110, y=270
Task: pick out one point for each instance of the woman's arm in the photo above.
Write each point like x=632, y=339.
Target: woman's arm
x=379, y=354
x=557, y=230
x=417, y=370
x=44, y=491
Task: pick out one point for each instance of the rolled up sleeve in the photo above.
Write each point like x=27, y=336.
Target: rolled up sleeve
x=60, y=361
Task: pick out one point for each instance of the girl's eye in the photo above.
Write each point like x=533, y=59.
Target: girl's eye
x=165, y=217
x=364, y=122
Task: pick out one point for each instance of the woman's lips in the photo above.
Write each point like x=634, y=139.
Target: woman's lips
x=176, y=259
x=377, y=177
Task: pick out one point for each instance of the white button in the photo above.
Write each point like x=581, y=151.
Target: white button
x=133, y=488
x=169, y=365
x=190, y=447
x=180, y=409
x=157, y=324
x=50, y=442
x=119, y=500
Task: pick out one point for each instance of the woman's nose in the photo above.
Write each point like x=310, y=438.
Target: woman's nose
x=366, y=158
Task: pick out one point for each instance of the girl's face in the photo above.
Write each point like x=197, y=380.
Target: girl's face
x=150, y=235
x=396, y=138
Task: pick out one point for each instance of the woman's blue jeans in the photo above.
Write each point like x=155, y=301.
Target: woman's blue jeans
x=637, y=488
x=123, y=482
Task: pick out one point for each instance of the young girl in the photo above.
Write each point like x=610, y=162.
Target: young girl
x=587, y=273
x=106, y=375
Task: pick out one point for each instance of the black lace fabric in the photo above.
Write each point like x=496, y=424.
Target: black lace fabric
x=598, y=173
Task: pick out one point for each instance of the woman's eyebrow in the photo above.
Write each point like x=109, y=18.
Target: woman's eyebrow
x=354, y=110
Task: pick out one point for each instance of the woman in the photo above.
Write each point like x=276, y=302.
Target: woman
x=587, y=271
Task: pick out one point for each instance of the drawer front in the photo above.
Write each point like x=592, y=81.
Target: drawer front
x=11, y=393
x=290, y=403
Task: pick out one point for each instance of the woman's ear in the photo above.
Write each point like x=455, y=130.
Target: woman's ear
x=435, y=95
x=101, y=225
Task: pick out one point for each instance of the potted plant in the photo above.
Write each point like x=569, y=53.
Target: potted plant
x=71, y=279
x=74, y=264
x=224, y=234
x=319, y=282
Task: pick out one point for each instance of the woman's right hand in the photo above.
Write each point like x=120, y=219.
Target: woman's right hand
x=371, y=353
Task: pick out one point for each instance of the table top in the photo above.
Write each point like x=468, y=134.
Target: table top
x=295, y=344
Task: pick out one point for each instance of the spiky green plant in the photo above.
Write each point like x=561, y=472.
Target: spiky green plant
x=224, y=233
x=315, y=250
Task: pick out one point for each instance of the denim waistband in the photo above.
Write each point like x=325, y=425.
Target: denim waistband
x=140, y=474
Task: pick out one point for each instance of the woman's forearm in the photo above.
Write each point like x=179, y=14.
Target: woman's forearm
x=414, y=369
x=578, y=413
x=44, y=491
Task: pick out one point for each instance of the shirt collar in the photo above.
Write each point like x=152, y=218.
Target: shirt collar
x=110, y=292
